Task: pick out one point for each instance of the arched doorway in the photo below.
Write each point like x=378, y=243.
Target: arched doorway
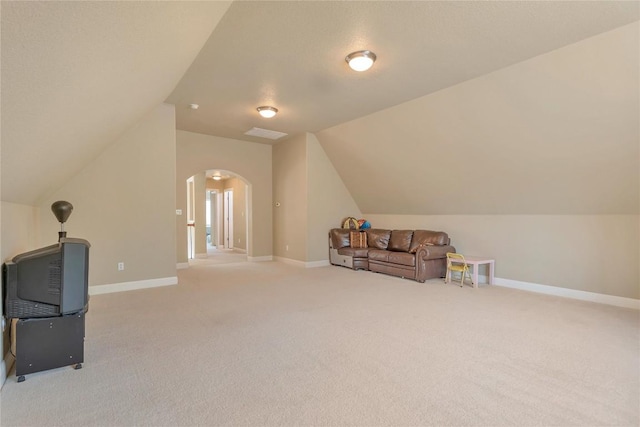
x=218, y=216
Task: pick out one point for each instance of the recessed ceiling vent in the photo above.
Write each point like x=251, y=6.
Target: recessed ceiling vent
x=265, y=133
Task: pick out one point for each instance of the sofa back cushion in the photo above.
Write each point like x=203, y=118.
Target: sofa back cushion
x=428, y=237
x=400, y=240
x=340, y=238
x=378, y=238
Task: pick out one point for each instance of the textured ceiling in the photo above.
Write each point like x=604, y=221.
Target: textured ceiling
x=76, y=75
x=291, y=55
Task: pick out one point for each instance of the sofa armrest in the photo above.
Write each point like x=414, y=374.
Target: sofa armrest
x=431, y=261
x=427, y=252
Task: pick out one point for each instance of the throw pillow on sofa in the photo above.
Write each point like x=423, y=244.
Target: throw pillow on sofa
x=358, y=239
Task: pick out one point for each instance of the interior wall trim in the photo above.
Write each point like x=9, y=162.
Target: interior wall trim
x=259, y=258
x=130, y=286
x=566, y=292
x=290, y=261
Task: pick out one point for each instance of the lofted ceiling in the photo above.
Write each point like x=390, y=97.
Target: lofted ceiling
x=291, y=55
x=75, y=75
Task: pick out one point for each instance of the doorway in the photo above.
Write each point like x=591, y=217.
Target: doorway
x=191, y=237
x=211, y=217
x=218, y=217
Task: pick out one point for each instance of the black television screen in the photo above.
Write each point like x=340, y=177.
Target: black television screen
x=49, y=281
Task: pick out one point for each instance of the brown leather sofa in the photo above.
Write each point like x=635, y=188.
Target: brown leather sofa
x=411, y=254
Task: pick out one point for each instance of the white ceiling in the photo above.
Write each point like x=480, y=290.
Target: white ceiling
x=75, y=75
x=291, y=55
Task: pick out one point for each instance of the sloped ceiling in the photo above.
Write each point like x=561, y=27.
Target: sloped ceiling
x=557, y=134
x=75, y=75
x=291, y=55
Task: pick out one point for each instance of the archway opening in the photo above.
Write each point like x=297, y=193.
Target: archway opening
x=218, y=216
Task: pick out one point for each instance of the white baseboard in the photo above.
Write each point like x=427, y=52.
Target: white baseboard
x=289, y=261
x=259, y=258
x=130, y=286
x=568, y=293
x=309, y=264
x=182, y=265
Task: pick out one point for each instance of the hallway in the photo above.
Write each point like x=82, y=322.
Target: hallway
x=220, y=256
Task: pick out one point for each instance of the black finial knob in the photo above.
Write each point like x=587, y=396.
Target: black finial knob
x=62, y=210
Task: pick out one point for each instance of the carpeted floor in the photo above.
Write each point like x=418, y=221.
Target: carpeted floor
x=219, y=256
x=261, y=344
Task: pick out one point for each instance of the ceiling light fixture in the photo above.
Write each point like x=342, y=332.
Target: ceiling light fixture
x=361, y=60
x=216, y=177
x=194, y=106
x=267, y=112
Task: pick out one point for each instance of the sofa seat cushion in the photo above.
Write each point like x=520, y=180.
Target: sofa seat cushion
x=354, y=252
x=402, y=258
x=379, y=255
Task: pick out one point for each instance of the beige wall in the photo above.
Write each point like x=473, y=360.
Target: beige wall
x=239, y=211
x=290, y=192
x=200, y=232
x=537, y=165
x=312, y=197
x=556, y=134
x=593, y=253
x=19, y=229
x=329, y=201
x=216, y=223
x=197, y=153
x=124, y=204
x=212, y=184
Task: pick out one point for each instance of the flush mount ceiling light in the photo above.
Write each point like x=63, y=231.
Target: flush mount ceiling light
x=267, y=112
x=361, y=60
x=216, y=177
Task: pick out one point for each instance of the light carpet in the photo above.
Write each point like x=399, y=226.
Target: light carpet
x=262, y=344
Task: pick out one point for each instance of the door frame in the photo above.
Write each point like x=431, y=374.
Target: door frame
x=228, y=218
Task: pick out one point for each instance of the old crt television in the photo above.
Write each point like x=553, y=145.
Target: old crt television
x=46, y=282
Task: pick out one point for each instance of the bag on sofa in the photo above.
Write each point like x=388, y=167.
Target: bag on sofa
x=350, y=222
